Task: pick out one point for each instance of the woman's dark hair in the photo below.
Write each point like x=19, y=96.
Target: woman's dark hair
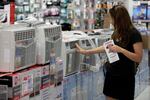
x=122, y=23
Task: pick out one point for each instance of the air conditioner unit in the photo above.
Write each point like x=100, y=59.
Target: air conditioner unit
x=70, y=56
x=18, y=48
x=89, y=62
x=49, y=41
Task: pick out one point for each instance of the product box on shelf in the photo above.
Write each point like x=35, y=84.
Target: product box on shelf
x=3, y=92
x=45, y=83
x=52, y=89
x=35, y=94
x=56, y=79
x=26, y=84
x=13, y=81
x=59, y=79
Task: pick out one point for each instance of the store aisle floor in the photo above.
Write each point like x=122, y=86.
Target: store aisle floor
x=145, y=95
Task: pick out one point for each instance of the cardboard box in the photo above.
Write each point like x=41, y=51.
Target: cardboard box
x=26, y=84
x=45, y=83
x=13, y=82
x=3, y=92
x=35, y=94
x=56, y=80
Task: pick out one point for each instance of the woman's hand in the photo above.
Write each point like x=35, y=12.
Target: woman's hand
x=80, y=50
x=116, y=48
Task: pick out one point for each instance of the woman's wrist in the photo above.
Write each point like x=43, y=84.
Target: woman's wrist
x=122, y=50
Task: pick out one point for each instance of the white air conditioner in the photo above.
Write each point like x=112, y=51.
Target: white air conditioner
x=89, y=62
x=49, y=40
x=69, y=54
x=18, y=48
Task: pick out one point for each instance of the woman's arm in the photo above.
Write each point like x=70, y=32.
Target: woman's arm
x=90, y=51
x=136, y=56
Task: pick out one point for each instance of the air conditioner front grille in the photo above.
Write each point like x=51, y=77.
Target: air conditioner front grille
x=25, y=53
x=24, y=35
x=30, y=54
x=56, y=46
x=50, y=32
x=49, y=46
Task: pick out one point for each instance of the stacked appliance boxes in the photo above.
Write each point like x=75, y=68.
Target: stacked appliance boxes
x=34, y=52
x=35, y=93
x=61, y=73
x=49, y=57
x=13, y=82
x=26, y=77
x=45, y=83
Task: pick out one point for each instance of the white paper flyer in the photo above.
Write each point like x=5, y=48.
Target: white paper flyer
x=112, y=56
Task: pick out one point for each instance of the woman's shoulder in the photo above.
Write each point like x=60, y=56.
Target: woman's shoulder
x=134, y=31
x=135, y=35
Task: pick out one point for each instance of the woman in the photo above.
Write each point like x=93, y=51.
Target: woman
x=120, y=77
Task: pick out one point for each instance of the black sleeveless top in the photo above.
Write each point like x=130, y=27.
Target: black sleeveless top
x=125, y=66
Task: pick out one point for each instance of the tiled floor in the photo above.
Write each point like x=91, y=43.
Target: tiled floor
x=145, y=95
